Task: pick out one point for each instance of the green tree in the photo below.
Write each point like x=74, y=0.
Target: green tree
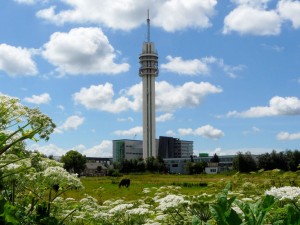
x=155, y=164
x=244, y=163
x=74, y=162
x=215, y=159
x=19, y=123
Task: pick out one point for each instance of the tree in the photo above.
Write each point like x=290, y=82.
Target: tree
x=19, y=123
x=215, y=159
x=244, y=163
x=74, y=162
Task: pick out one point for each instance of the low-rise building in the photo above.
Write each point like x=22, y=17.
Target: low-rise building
x=96, y=166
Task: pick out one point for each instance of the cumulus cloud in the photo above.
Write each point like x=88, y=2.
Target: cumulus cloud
x=17, y=61
x=50, y=149
x=278, y=106
x=195, y=14
x=290, y=10
x=71, y=123
x=202, y=66
x=82, y=51
x=39, y=99
x=206, y=131
x=101, y=97
x=286, y=136
x=188, y=67
x=104, y=149
x=168, y=97
x=165, y=117
x=171, y=133
x=255, y=18
x=127, y=15
x=130, y=133
x=246, y=19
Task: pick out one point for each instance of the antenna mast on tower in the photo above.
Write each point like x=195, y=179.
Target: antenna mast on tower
x=148, y=26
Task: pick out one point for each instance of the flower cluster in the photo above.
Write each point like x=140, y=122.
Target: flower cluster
x=285, y=193
x=170, y=201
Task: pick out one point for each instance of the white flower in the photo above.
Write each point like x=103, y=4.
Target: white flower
x=137, y=211
x=120, y=208
x=169, y=201
x=12, y=166
x=283, y=193
x=161, y=217
x=146, y=191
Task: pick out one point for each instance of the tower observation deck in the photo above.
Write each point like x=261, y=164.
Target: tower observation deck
x=148, y=71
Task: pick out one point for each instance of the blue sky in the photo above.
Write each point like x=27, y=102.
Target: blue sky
x=229, y=71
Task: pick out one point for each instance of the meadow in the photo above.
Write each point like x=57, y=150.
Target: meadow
x=104, y=188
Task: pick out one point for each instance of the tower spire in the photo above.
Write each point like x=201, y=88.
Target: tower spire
x=148, y=26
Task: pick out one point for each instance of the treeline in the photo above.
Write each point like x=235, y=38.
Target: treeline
x=151, y=164
x=288, y=161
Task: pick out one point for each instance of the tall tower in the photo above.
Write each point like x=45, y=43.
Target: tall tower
x=148, y=71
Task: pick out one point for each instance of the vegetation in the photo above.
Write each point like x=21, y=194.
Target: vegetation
x=151, y=164
x=286, y=161
x=19, y=123
x=74, y=162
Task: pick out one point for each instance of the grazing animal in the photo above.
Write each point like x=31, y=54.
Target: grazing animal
x=124, y=182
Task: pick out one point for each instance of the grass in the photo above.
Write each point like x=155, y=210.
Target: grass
x=104, y=188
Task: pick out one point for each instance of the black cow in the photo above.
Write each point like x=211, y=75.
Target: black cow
x=124, y=182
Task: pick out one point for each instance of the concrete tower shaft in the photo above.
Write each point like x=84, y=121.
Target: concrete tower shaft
x=148, y=71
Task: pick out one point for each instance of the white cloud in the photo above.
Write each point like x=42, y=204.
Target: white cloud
x=171, y=133
x=104, y=149
x=278, y=106
x=255, y=129
x=176, y=15
x=188, y=67
x=168, y=97
x=39, y=99
x=101, y=97
x=202, y=66
x=82, y=51
x=165, y=117
x=128, y=119
x=229, y=70
x=185, y=131
x=130, y=133
x=61, y=107
x=129, y=14
x=285, y=136
x=290, y=10
x=71, y=123
x=30, y=2
x=247, y=19
x=206, y=131
x=50, y=149
x=17, y=61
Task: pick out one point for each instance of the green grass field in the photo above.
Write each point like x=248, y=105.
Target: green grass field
x=104, y=188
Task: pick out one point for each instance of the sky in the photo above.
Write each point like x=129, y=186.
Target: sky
x=229, y=71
